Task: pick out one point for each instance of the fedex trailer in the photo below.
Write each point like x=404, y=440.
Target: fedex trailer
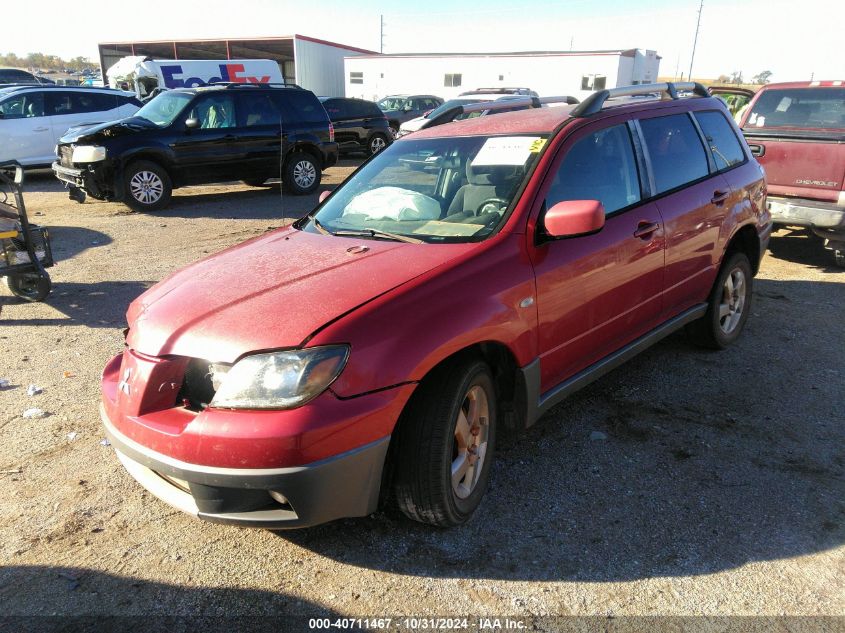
x=146, y=76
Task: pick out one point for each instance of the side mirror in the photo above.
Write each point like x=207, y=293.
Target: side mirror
x=192, y=123
x=572, y=218
x=323, y=196
x=18, y=175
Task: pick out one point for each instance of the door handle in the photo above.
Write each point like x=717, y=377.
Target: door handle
x=646, y=229
x=719, y=197
x=40, y=129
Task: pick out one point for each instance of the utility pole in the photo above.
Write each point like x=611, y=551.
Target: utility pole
x=695, y=41
x=381, y=38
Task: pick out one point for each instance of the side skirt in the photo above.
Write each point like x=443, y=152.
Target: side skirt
x=539, y=403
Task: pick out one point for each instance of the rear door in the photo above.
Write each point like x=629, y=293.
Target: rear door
x=692, y=203
x=25, y=132
x=596, y=293
x=347, y=126
x=257, y=144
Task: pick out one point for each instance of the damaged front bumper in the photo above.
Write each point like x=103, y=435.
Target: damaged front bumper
x=89, y=179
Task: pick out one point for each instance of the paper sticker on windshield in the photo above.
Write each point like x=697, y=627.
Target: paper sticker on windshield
x=506, y=150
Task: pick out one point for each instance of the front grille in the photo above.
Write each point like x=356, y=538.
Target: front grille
x=65, y=156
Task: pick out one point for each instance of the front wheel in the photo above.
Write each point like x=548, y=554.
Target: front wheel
x=30, y=286
x=445, y=443
x=302, y=174
x=148, y=186
x=728, y=306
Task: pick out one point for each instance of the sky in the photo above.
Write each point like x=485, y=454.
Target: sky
x=795, y=41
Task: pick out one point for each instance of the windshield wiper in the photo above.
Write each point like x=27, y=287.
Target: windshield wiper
x=376, y=233
x=321, y=228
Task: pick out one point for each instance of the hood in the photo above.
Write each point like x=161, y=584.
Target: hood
x=414, y=124
x=271, y=292
x=109, y=129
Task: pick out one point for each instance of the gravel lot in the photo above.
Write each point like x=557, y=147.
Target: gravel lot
x=716, y=484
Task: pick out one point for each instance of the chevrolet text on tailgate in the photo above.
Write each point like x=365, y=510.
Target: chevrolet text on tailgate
x=797, y=132
x=374, y=349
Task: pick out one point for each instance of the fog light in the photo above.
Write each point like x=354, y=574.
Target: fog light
x=279, y=497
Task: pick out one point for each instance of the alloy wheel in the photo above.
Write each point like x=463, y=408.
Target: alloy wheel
x=146, y=187
x=470, y=444
x=304, y=174
x=733, y=301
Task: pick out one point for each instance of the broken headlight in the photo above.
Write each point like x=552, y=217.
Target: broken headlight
x=280, y=380
x=88, y=154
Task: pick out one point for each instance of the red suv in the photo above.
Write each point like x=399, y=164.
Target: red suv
x=375, y=348
x=797, y=131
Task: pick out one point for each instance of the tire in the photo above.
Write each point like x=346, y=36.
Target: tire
x=302, y=174
x=256, y=182
x=728, y=306
x=29, y=286
x=430, y=445
x=394, y=129
x=377, y=143
x=147, y=185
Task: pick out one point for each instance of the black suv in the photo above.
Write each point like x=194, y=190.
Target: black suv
x=190, y=136
x=359, y=125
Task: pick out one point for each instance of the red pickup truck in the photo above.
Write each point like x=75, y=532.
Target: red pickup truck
x=797, y=132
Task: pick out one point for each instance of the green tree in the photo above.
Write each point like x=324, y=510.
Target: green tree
x=761, y=78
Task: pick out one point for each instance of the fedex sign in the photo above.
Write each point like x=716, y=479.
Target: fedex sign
x=172, y=75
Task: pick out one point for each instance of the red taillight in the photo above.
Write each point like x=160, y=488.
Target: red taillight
x=331, y=133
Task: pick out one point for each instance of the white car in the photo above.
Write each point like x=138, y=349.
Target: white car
x=33, y=118
x=422, y=121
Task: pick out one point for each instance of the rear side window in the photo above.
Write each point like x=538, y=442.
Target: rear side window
x=300, y=106
x=600, y=166
x=675, y=149
x=799, y=107
x=336, y=109
x=11, y=75
x=23, y=106
x=257, y=109
x=719, y=134
x=66, y=102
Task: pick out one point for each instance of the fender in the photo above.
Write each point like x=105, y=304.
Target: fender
x=485, y=296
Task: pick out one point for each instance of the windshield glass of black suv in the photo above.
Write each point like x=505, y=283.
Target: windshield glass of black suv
x=437, y=190
x=163, y=109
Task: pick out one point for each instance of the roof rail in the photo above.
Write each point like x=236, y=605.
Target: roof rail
x=238, y=84
x=594, y=103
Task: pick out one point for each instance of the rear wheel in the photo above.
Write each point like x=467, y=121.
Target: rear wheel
x=445, y=444
x=728, y=307
x=147, y=185
x=377, y=143
x=302, y=174
x=30, y=286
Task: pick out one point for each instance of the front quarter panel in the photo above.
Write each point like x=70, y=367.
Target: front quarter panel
x=485, y=296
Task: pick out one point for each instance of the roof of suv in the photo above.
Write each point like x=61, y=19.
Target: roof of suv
x=541, y=120
x=805, y=84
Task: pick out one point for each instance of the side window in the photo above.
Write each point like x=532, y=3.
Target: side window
x=28, y=105
x=257, y=109
x=299, y=106
x=600, y=166
x=675, y=149
x=724, y=145
x=214, y=111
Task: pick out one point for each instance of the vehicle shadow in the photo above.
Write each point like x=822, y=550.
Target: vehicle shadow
x=91, y=600
x=802, y=246
x=96, y=305
x=41, y=181
x=682, y=462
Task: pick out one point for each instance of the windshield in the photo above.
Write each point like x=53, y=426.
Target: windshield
x=799, y=107
x=393, y=103
x=435, y=190
x=451, y=103
x=163, y=109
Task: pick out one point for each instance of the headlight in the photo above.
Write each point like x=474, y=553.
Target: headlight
x=88, y=154
x=280, y=380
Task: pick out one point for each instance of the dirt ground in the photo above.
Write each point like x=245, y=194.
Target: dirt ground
x=715, y=484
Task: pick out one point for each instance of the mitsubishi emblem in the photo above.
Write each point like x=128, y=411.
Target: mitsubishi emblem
x=123, y=385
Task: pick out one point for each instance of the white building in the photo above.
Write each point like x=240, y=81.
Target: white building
x=575, y=73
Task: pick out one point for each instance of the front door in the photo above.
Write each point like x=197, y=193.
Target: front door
x=595, y=293
x=206, y=153
x=25, y=132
